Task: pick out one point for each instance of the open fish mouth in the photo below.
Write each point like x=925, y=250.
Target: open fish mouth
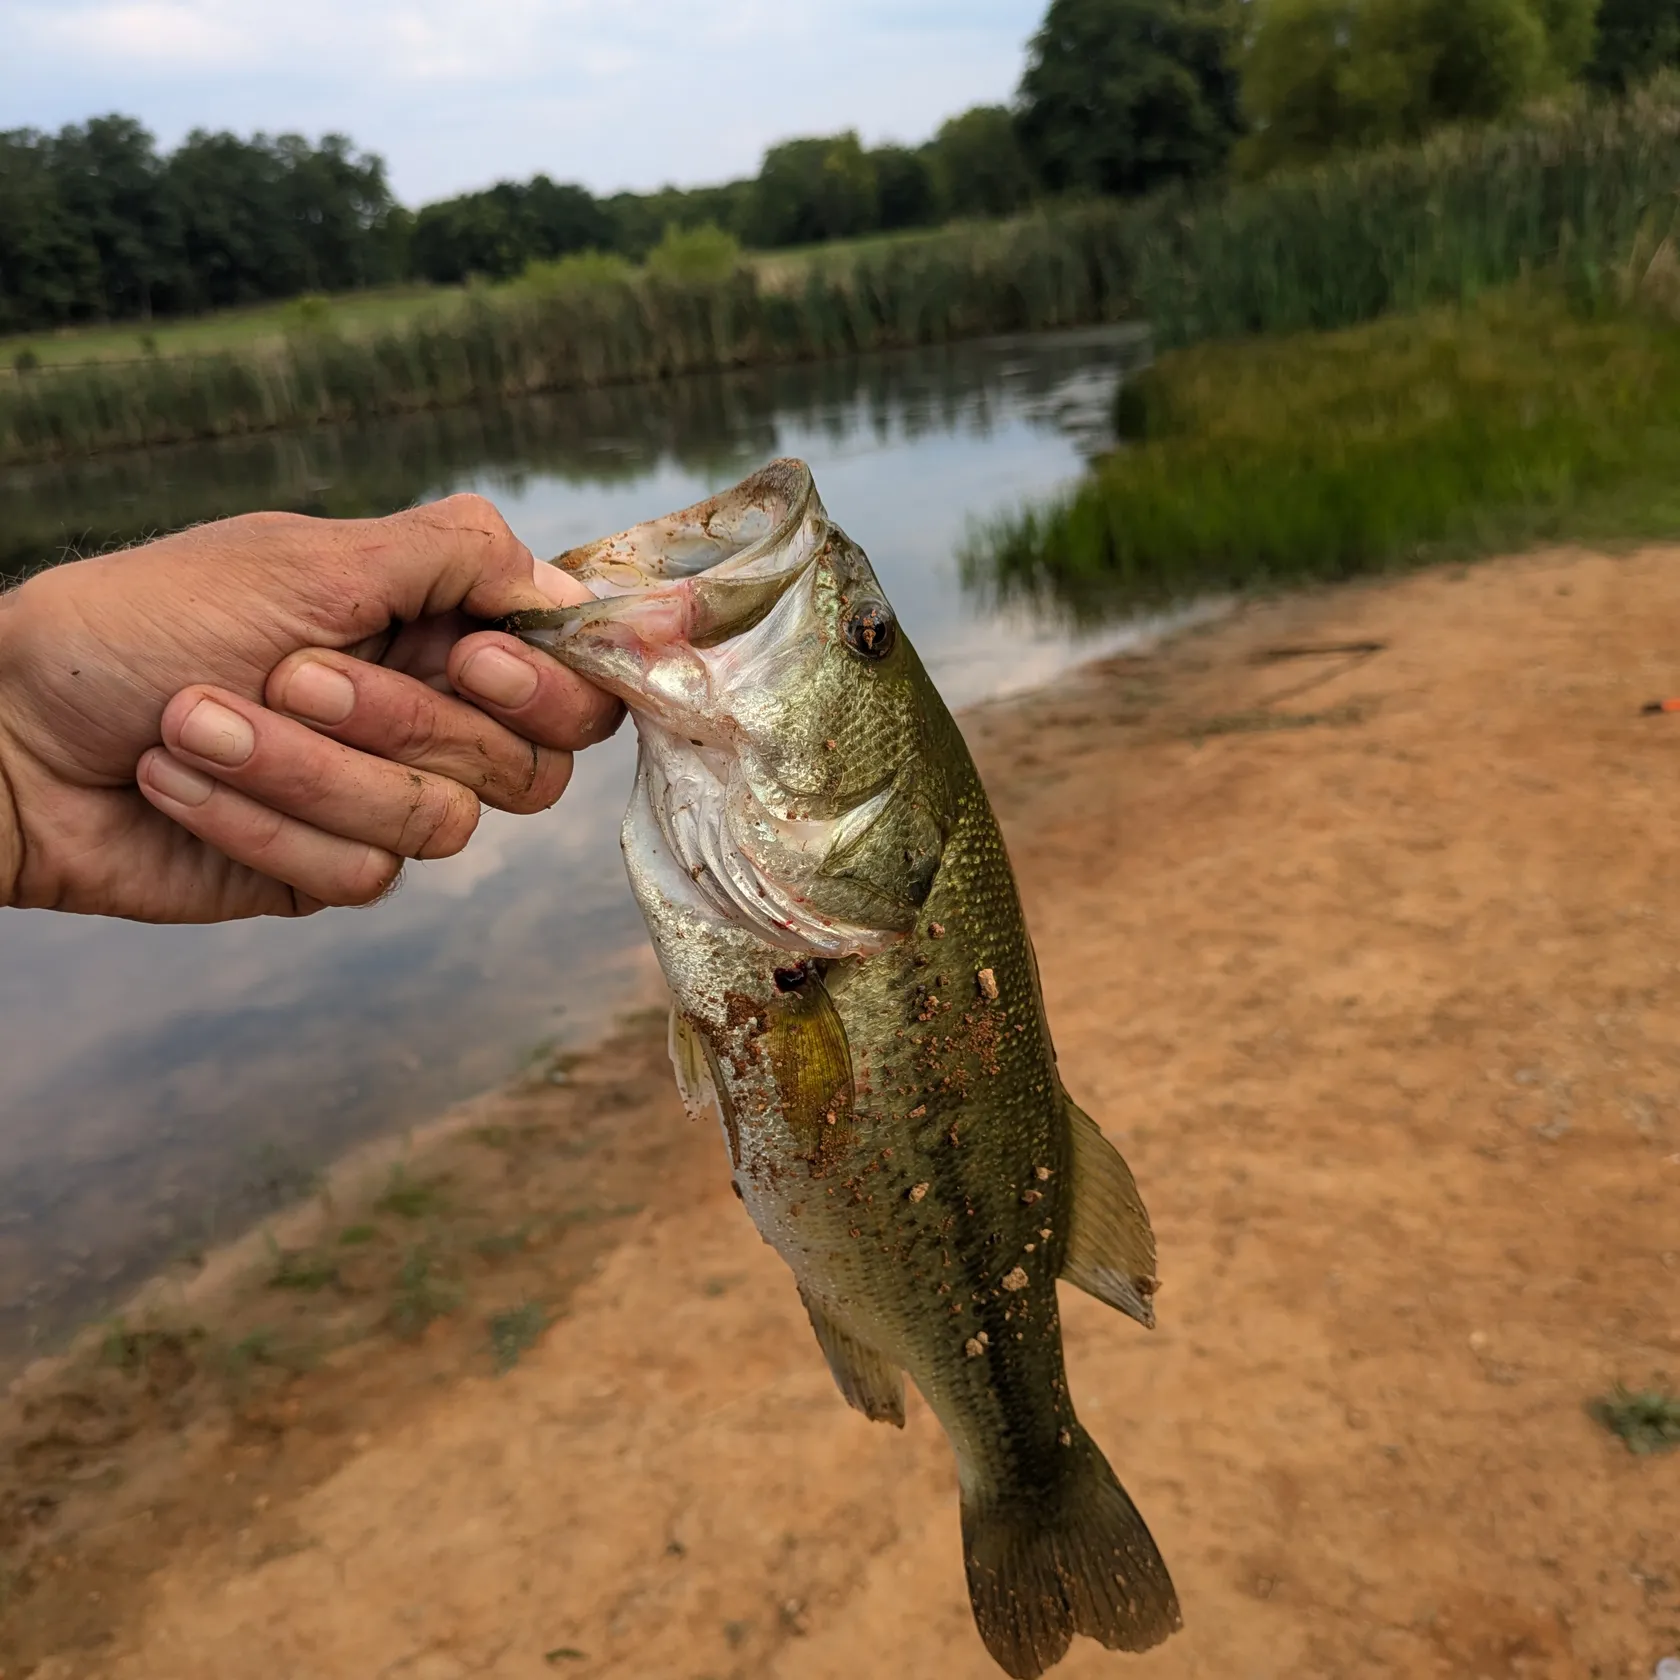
x=695, y=579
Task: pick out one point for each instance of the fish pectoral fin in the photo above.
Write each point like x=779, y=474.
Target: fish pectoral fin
x=812, y=1062
x=1111, y=1249
x=866, y=1379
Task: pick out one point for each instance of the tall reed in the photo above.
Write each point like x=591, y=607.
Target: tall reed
x=1044, y=271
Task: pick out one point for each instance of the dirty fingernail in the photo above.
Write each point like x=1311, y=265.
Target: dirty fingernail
x=213, y=732
x=496, y=675
x=318, y=694
x=178, y=781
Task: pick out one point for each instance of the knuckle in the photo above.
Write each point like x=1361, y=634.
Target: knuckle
x=534, y=784
x=366, y=880
x=440, y=820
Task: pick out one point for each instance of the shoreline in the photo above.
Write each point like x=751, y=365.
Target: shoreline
x=1338, y=944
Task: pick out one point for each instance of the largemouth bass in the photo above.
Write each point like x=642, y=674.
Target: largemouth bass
x=857, y=1003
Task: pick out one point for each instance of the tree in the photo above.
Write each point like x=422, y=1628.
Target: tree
x=1323, y=74
x=811, y=190
x=1636, y=39
x=979, y=165
x=49, y=269
x=905, y=193
x=1121, y=95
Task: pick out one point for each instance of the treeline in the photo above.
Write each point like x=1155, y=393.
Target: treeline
x=1117, y=98
x=96, y=224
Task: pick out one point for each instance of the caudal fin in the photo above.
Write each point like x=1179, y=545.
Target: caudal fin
x=1076, y=1559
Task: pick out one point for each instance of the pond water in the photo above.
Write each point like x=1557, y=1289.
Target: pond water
x=160, y=1087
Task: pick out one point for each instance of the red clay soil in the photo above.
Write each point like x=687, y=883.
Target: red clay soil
x=1369, y=962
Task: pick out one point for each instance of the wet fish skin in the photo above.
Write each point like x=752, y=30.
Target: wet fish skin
x=857, y=1001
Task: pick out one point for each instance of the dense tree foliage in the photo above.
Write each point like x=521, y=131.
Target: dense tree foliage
x=1636, y=39
x=94, y=224
x=1324, y=74
x=1122, y=95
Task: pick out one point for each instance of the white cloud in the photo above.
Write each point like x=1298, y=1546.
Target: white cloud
x=611, y=92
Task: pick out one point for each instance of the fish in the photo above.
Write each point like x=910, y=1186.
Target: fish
x=856, y=1003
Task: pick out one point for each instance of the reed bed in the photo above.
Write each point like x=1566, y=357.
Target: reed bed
x=1064, y=269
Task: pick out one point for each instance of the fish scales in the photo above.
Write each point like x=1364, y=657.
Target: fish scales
x=856, y=1001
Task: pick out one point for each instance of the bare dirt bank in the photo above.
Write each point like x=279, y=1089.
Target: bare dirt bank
x=1369, y=960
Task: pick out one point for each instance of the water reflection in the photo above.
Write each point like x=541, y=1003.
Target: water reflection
x=160, y=1086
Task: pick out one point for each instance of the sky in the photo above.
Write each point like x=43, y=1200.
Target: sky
x=455, y=94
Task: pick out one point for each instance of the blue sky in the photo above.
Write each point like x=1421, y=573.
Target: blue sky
x=457, y=93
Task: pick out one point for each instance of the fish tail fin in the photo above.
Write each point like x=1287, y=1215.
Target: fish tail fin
x=1047, y=1564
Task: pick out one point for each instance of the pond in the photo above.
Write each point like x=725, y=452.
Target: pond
x=162, y=1087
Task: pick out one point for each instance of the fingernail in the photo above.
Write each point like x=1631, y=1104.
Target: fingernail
x=560, y=587
x=213, y=732
x=318, y=694
x=178, y=781
x=496, y=675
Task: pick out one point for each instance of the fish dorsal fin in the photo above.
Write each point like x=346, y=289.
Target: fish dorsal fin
x=812, y=1063
x=868, y=1380
x=1111, y=1249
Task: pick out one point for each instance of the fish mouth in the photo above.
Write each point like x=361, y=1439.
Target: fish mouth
x=691, y=580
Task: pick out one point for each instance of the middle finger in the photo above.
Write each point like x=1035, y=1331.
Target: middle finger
x=293, y=769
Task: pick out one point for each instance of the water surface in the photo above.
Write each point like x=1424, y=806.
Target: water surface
x=161, y=1086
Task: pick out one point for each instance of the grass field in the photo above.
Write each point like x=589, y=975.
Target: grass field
x=1321, y=455
x=260, y=327
x=266, y=327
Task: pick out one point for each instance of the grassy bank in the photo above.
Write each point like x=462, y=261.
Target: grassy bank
x=1321, y=456
x=1043, y=272
x=1571, y=190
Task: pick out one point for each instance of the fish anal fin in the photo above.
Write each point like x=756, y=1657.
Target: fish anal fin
x=1111, y=1249
x=867, y=1380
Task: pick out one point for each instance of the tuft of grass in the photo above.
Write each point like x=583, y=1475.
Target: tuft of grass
x=306, y=1270
x=514, y=1331
x=1647, y=1421
x=1321, y=456
x=355, y=1236
x=422, y=1295
x=411, y=1198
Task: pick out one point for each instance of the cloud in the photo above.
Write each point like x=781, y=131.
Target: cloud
x=614, y=93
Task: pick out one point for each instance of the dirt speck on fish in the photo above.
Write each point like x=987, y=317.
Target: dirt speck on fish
x=806, y=836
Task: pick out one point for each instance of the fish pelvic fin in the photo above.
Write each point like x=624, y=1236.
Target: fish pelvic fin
x=1111, y=1248
x=867, y=1380
x=1044, y=1565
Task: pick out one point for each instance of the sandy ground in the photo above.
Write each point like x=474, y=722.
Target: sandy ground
x=1369, y=962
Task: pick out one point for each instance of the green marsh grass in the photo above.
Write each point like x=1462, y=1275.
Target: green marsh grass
x=1317, y=457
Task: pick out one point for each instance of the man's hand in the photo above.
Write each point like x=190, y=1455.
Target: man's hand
x=265, y=715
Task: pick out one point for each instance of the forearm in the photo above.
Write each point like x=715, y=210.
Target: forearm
x=11, y=819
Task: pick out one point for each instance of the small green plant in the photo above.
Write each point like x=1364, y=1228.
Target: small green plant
x=422, y=1295
x=701, y=255
x=411, y=1198
x=306, y=1270
x=148, y=344
x=514, y=1331
x=310, y=316
x=27, y=360
x=355, y=1236
x=1647, y=1421
x=581, y=271
x=131, y=1351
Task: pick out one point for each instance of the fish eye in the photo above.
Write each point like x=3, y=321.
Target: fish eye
x=870, y=631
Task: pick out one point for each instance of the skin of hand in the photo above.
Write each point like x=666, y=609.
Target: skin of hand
x=269, y=714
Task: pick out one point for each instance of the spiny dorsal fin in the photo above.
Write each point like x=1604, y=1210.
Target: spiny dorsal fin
x=868, y=1380
x=1111, y=1249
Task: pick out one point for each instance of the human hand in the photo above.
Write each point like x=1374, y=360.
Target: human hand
x=262, y=716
